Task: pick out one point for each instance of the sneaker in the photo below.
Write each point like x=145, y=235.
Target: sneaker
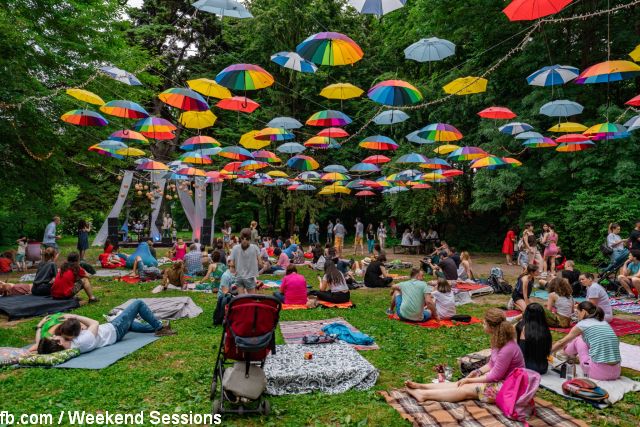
x=389, y=311
x=92, y=300
x=165, y=330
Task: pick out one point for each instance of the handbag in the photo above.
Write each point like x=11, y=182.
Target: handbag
x=605, y=249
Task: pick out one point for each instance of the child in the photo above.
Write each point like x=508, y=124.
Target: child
x=444, y=300
x=20, y=255
x=174, y=235
x=560, y=303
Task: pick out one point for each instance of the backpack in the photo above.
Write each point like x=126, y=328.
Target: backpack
x=220, y=311
x=515, y=398
x=497, y=271
x=584, y=388
x=499, y=285
x=520, y=245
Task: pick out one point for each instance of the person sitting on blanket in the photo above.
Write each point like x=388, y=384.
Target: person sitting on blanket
x=446, y=267
x=560, y=303
x=144, y=272
x=376, y=275
x=534, y=338
x=214, y=272
x=630, y=273
x=108, y=258
x=333, y=286
x=464, y=270
x=193, y=261
x=298, y=256
x=174, y=276
x=228, y=280
x=293, y=289
x=45, y=275
x=87, y=334
x=444, y=300
x=483, y=383
x=597, y=295
x=283, y=260
x=71, y=279
x=406, y=238
x=524, y=287
x=411, y=300
x=594, y=342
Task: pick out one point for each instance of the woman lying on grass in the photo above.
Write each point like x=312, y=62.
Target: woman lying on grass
x=483, y=383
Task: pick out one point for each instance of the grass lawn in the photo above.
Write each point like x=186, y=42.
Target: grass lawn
x=174, y=373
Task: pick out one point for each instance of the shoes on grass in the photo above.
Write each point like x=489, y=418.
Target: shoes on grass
x=165, y=330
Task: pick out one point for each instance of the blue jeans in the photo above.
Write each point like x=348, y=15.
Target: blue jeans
x=126, y=321
x=279, y=295
x=370, y=245
x=426, y=314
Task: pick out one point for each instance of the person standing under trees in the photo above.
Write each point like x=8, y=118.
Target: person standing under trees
x=167, y=223
x=83, y=238
x=382, y=235
x=371, y=238
x=50, y=237
x=330, y=232
x=508, y=246
x=246, y=258
x=255, y=236
x=226, y=235
x=311, y=232
x=550, y=243
x=359, y=239
x=339, y=232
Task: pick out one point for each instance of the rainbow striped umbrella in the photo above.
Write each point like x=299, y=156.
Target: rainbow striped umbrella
x=252, y=165
x=152, y=165
x=238, y=103
x=184, y=99
x=543, y=142
x=335, y=176
x=394, y=92
x=269, y=157
x=492, y=162
x=412, y=158
x=512, y=162
x=303, y=163
x=378, y=142
x=329, y=48
x=273, y=134
x=440, y=132
x=125, y=109
x=244, y=77
x=364, y=168
x=128, y=135
x=333, y=133
x=609, y=71
x=377, y=159
x=156, y=128
x=319, y=142
x=84, y=117
x=606, y=131
x=199, y=142
x=446, y=149
x=235, y=153
x=467, y=153
x=106, y=151
x=573, y=137
x=572, y=147
x=191, y=172
x=435, y=163
x=326, y=118
x=196, y=158
x=413, y=137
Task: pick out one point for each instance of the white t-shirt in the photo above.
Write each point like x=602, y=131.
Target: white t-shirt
x=595, y=291
x=612, y=239
x=445, y=304
x=86, y=341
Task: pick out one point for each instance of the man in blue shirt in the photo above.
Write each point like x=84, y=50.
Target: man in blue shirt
x=311, y=232
x=50, y=236
x=630, y=273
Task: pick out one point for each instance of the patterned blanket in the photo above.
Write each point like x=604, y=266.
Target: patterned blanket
x=433, y=324
x=294, y=331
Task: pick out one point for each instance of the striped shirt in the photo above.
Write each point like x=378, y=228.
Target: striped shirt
x=604, y=346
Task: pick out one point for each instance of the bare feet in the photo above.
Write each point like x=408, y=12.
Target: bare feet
x=414, y=385
x=416, y=394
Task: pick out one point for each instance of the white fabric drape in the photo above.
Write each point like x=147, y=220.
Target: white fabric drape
x=157, y=177
x=187, y=205
x=101, y=237
x=216, y=194
x=200, y=206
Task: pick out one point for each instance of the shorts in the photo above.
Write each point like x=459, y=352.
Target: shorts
x=358, y=240
x=338, y=241
x=77, y=287
x=488, y=392
x=19, y=257
x=248, y=283
x=426, y=314
x=51, y=245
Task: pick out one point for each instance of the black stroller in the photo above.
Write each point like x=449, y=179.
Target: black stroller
x=248, y=337
x=608, y=273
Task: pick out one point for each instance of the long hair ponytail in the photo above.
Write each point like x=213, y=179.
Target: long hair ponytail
x=593, y=311
x=501, y=331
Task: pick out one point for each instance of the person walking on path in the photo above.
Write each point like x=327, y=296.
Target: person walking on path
x=330, y=232
x=359, y=239
x=50, y=237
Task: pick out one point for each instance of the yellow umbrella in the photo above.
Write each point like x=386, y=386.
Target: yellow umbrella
x=568, y=127
x=197, y=119
x=341, y=91
x=249, y=141
x=466, y=86
x=209, y=87
x=334, y=189
x=446, y=149
x=432, y=176
x=635, y=54
x=277, y=174
x=130, y=152
x=85, y=95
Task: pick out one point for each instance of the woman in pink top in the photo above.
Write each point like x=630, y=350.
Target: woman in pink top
x=293, y=289
x=483, y=383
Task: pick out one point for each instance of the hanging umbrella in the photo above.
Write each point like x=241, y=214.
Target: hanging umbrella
x=130, y=152
x=633, y=123
x=107, y=152
x=83, y=117
x=528, y=10
x=440, y=132
x=394, y=92
x=238, y=103
x=540, y=143
x=85, y=96
x=184, y=99
x=302, y=163
x=395, y=190
x=197, y=119
x=378, y=142
x=291, y=148
x=242, y=181
x=335, y=168
x=333, y=189
x=365, y=193
x=633, y=102
x=432, y=176
x=335, y=176
x=488, y=161
x=567, y=127
x=309, y=176
x=326, y=118
x=199, y=142
x=510, y=163
x=446, y=148
x=377, y=7
x=606, y=131
x=293, y=61
x=223, y=8
x=573, y=137
x=112, y=144
x=210, y=151
x=266, y=156
x=235, y=153
x=330, y=48
x=529, y=135
x=449, y=173
x=124, y=109
x=196, y=158
x=209, y=88
x=231, y=167
x=191, y=172
x=466, y=86
x=413, y=137
x=284, y=122
x=431, y=49
x=128, y=135
x=273, y=134
x=635, y=53
x=421, y=186
x=319, y=142
x=552, y=75
x=497, y=113
x=305, y=187
x=248, y=140
x=436, y=163
x=561, y=108
x=364, y=168
x=467, y=153
x=377, y=159
x=515, y=128
x=341, y=91
x=333, y=133
x=412, y=158
x=156, y=128
x=572, y=147
x=152, y=165
x=244, y=77
x=121, y=76
x=390, y=117
x=277, y=174
x=252, y=165
x=609, y=71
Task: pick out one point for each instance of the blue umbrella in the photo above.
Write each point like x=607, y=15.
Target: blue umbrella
x=335, y=168
x=390, y=117
x=243, y=180
x=294, y=61
x=222, y=8
x=413, y=137
x=309, y=175
x=284, y=122
x=552, y=75
x=561, y=108
x=395, y=190
x=412, y=158
x=282, y=181
x=210, y=151
x=291, y=148
x=633, y=123
x=113, y=145
x=529, y=135
x=355, y=184
x=305, y=187
x=408, y=174
x=364, y=167
x=377, y=7
x=431, y=49
x=121, y=75
x=514, y=128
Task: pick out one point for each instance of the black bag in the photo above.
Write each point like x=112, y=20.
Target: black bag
x=461, y=318
x=498, y=285
x=605, y=249
x=219, y=312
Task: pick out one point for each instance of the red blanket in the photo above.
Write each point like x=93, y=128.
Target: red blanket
x=294, y=306
x=128, y=279
x=334, y=305
x=433, y=324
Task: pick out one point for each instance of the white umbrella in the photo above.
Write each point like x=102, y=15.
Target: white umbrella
x=230, y=8
x=431, y=49
x=121, y=75
x=377, y=7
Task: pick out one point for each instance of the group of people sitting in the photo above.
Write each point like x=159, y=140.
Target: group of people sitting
x=415, y=300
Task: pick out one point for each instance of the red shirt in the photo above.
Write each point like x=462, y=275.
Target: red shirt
x=63, y=284
x=294, y=289
x=5, y=265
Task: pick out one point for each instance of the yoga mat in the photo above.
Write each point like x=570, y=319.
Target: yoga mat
x=294, y=331
x=107, y=356
x=630, y=356
x=22, y=306
x=620, y=326
x=434, y=324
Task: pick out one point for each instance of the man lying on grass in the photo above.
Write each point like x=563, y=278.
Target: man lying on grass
x=85, y=334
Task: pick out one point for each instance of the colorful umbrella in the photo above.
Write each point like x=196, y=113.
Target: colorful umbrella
x=634, y=102
x=199, y=142
x=112, y=145
x=152, y=165
x=235, y=153
x=333, y=133
x=284, y=122
x=238, y=103
x=572, y=147
x=450, y=173
x=302, y=163
x=609, y=71
x=124, y=109
x=231, y=167
x=326, y=118
x=552, y=75
x=421, y=186
x=412, y=158
x=432, y=176
x=633, y=123
x=334, y=189
x=252, y=165
x=195, y=158
x=277, y=174
x=377, y=159
x=488, y=161
x=190, y=172
x=573, y=137
x=377, y=7
x=293, y=61
x=378, y=142
x=305, y=187
x=606, y=131
x=273, y=134
x=248, y=140
x=184, y=99
x=466, y=86
x=209, y=88
x=156, y=128
x=394, y=92
x=210, y=151
x=291, y=148
x=515, y=128
x=446, y=149
x=85, y=96
x=431, y=49
x=567, y=127
x=440, y=132
x=341, y=91
x=330, y=48
x=364, y=168
x=512, y=162
x=130, y=152
x=222, y=8
x=128, y=135
x=561, y=108
x=529, y=134
x=528, y=10
x=543, y=142
x=309, y=176
x=319, y=142
x=413, y=137
x=335, y=176
x=635, y=53
x=84, y=118
x=467, y=153
x=335, y=168
x=497, y=113
x=266, y=156
x=108, y=152
x=197, y=119
x=390, y=117
x=365, y=193
x=121, y=76
x=436, y=163
x=244, y=77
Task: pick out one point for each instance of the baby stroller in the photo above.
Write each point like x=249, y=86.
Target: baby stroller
x=248, y=337
x=608, y=272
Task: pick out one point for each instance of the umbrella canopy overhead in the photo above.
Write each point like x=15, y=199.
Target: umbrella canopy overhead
x=552, y=75
x=303, y=163
x=635, y=53
x=223, y=8
x=573, y=137
x=284, y=122
x=291, y=148
x=199, y=142
x=488, y=161
x=83, y=117
x=609, y=71
x=567, y=127
x=330, y=48
x=244, y=77
x=248, y=140
x=195, y=158
x=633, y=102
x=529, y=134
x=572, y=147
x=378, y=142
x=238, y=103
x=497, y=113
x=208, y=87
x=543, y=142
x=85, y=96
x=334, y=189
x=156, y=128
x=184, y=99
x=395, y=93
x=440, y=132
x=446, y=149
x=235, y=153
x=561, y=108
x=341, y=91
x=528, y=10
x=328, y=118
x=435, y=163
x=128, y=135
x=121, y=76
x=197, y=119
x=333, y=133
x=430, y=49
x=413, y=137
x=390, y=117
x=124, y=109
x=364, y=168
x=467, y=153
x=515, y=128
x=319, y=142
x=273, y=134
x=633, y=123
x=152, y=165
x=294, y=61
x=335, y=168
x=377, y=159
x=377, y=7
x=412, y=158
x=466, y=86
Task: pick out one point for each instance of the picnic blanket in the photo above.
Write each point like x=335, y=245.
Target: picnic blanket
x=271, y=284
x=294, y=331
x=294, y=307
x=472, y=413
x=20, y=306
x=434, y=324
x=629, y=306
x=544, y=294
x=106, y=356
x=165, y=308
x=629, y=354
x=616, y=389
x=621, y=327
x=128, y=279
x=327, y=304
x=474, y=289
x=334, y=368
x=111, y=273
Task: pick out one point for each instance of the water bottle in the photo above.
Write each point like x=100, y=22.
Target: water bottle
x=571, y=369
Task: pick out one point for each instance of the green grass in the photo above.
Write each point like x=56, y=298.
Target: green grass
x=174, y=373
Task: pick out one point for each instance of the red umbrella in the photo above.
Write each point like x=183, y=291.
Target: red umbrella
x=634, y=102
x=369, y=183
x=365, y=193
x=238, y=103
x=449, y=173
x=497, y=113
x=334, y=133
x=232, y=167
x=528, y=10
x=572, y=137
x=376, y=159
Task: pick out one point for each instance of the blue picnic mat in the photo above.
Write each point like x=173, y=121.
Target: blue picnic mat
x=542, y=294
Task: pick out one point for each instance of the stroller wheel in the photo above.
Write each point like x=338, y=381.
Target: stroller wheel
x=216, y=407
x=214, y=386
x=266, y=408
